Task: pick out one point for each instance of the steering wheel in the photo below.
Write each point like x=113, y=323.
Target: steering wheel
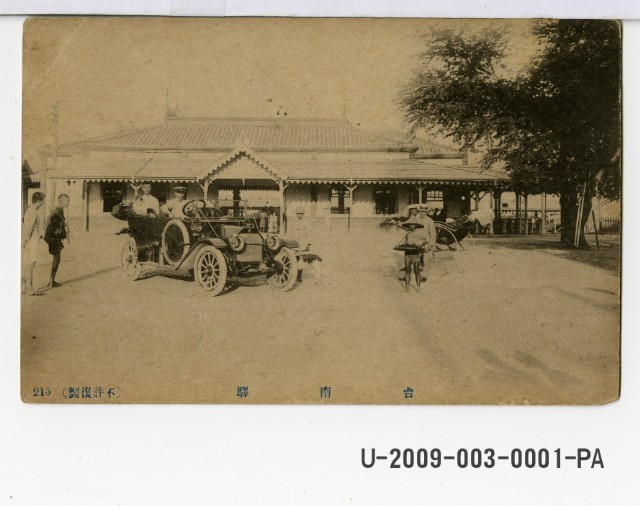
x=190, y=208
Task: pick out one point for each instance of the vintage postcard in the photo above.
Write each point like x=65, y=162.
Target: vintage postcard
x=321, y=211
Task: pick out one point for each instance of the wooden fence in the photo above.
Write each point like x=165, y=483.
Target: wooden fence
x=512, y=222
x=609, y=226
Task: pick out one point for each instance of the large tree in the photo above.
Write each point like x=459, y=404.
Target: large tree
x=555, y=124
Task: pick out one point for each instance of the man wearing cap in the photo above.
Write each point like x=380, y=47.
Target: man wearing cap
x=146, y=202
x=175, y=205
x=299, y=230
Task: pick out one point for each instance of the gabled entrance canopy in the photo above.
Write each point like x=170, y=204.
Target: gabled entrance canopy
x=244, y=165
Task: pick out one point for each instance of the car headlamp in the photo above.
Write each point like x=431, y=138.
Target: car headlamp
x=273, y=242
x=236, y=243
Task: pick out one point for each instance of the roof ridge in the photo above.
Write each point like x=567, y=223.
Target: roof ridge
x=375, y=134
x=397, y=134
x=244, y=119
x=438, y=144
x=383, y=135
x=109, y=137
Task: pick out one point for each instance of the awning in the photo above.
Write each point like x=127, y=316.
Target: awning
x=123, y=169
x=409, y=171
x=182, y=169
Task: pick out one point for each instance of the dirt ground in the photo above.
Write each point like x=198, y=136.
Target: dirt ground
x=507, y=321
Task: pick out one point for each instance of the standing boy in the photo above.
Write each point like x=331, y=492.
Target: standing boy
x=57, y=230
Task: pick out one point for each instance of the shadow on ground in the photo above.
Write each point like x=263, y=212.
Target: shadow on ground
x=606, y=257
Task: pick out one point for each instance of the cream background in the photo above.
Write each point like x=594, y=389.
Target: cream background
x=307, y=454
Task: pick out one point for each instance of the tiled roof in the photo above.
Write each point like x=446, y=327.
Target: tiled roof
x=426, y=148
x=122, y=169
x=222, y=134
x=97, y=170
x=396, y=171
x=405, y=171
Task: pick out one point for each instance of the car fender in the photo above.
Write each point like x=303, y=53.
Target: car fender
x=125, y=230
x=275, y=242
x=289, y=243
x=187, y=262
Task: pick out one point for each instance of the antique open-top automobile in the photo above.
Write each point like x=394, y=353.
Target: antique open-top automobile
x=208, y=244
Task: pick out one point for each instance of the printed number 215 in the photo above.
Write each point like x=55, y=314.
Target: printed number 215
x=41, y=392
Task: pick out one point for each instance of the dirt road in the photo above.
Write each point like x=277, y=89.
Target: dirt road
x=492, y=325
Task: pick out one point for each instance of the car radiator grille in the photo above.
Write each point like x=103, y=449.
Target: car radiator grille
x=251, y=253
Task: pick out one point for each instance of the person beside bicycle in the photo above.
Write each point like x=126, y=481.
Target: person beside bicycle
x=415, y=240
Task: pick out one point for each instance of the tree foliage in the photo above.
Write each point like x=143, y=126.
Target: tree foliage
x=555, y=125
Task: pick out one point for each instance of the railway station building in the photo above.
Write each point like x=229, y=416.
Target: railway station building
x=344, y=176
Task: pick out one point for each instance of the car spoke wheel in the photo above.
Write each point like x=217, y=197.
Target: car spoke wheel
x=286, y=270
x=210, y=269
x=130, y=265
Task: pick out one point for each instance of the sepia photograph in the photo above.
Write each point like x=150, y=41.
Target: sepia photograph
x=321, y=211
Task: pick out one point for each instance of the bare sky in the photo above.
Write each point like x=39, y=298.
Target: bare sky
x=109, y=74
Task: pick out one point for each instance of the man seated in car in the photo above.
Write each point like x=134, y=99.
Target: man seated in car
x=174, y=206
x=146, y=202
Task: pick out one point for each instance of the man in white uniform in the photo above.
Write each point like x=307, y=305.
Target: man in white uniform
x=146, y=201
x=175, y=205
x=430, y=234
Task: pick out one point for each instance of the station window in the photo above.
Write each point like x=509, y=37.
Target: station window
x=386, y=201
x=112, y=194
x=340, y=197
x=427, y=196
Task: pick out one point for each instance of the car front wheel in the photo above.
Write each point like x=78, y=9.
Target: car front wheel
x=286, y=270
x=210, y=270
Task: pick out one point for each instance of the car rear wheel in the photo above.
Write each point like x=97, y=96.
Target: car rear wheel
x=286, y=270
x=210, y=269
x=130, y=265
